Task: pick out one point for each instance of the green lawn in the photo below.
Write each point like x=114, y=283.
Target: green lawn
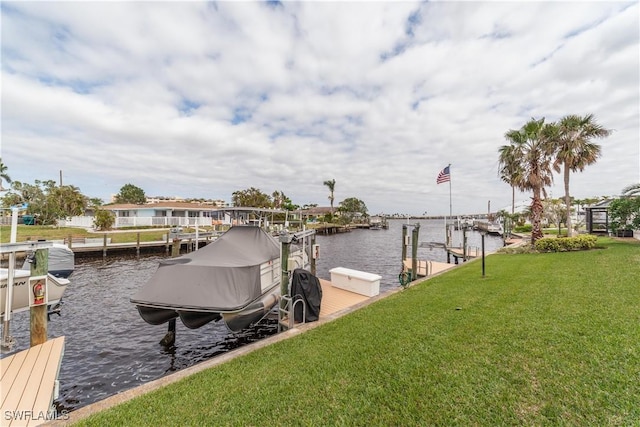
x=36, y=232
x=543, y=339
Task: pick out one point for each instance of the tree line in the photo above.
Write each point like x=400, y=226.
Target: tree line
x=49, y=202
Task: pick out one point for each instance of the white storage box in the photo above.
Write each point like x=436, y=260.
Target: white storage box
x=360, y=282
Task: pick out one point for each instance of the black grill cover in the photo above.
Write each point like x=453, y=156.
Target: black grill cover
x=306, y=286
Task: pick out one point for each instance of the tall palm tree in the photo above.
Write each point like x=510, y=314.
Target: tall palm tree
x=331, y=184
x=510, y=170
x=575, y=151
x=534, y=151
x=3, y=173
x=632, y=190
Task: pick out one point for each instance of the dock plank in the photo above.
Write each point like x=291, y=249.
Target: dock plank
x=28, y=382
x=10, y=367
x=336, y=299
x=45, y=396
x=428, y=268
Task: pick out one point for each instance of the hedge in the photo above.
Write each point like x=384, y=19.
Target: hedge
x=563, y=244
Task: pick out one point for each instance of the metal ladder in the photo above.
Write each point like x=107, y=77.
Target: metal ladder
x=286, y=312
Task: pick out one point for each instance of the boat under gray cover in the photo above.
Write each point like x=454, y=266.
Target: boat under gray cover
x=222, y=277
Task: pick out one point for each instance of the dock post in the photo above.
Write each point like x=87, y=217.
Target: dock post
x=313, y=255
x=404, y=244
x=285, y=240
x=414, y=252
x=138, y=244
x=175, y=248
x=465, y=255
x=38, y=313
x=104, y=245
x=170, y=337
x=70, y=241
x=166, y=249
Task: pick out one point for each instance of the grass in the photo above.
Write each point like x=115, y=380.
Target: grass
x=543, y=339
x=36, y=232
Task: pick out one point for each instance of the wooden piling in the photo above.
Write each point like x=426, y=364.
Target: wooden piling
x=404, y=242
x=170, y=337
x=414, y=252
x=175, y=248
x=313, y=256
x=104, y=245
x=138, y=244
x=285, y=241
x=38, y=313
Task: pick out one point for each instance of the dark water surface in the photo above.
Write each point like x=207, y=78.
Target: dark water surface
x=109, y=348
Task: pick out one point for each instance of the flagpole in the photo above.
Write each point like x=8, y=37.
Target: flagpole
x=450, y=208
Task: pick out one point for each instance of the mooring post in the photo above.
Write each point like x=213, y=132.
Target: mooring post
x=313, y=254
x=166, y=249
x=170, y=337
x=175, y=248
x=404, y=244
x=414, y=252
x=138, y=244
x=38, y=313
x=483, y=254
x=104, y=245
x=464, y=244
x=285, y=240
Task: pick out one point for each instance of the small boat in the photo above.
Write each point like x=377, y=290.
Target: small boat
x=378, y=223
x=235, y=278
x=23, y=292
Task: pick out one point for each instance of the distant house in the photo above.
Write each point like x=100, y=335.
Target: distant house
x=164, y=214
x=317, y=213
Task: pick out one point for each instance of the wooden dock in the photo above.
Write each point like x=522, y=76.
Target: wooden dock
x=28, y=384
x=335, y=299
x=427, y=268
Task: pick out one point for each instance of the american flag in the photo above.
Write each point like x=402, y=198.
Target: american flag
x=444, y=176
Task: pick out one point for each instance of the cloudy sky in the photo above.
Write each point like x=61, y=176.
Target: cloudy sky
x=199, y=99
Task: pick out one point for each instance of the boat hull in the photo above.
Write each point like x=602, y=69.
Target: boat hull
x=21, y=292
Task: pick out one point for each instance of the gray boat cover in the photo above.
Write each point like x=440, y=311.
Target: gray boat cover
x=222, y=276
x=61, y=261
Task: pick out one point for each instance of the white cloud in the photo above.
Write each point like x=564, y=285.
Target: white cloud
x=203, y=99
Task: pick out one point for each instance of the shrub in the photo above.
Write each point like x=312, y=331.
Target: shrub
x=526, y=228
x=554, y=244
x=104, y=219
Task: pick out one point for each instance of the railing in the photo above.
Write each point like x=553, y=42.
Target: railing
x=135, y=221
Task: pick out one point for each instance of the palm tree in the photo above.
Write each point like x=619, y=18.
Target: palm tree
x=510, y=170
x=534, y=153
x=332, y=185
x=632, y=190
x=573, y=135
x=3, y=173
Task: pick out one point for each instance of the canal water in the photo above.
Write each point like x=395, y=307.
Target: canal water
x=109, y=348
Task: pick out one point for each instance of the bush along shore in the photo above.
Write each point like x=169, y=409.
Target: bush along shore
x=543, y=338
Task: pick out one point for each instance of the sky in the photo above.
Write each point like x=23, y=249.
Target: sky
x=201, y=99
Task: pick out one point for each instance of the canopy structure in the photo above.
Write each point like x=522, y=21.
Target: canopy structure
x=224, y=276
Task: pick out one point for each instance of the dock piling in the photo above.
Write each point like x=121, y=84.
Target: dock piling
x=38, y=313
